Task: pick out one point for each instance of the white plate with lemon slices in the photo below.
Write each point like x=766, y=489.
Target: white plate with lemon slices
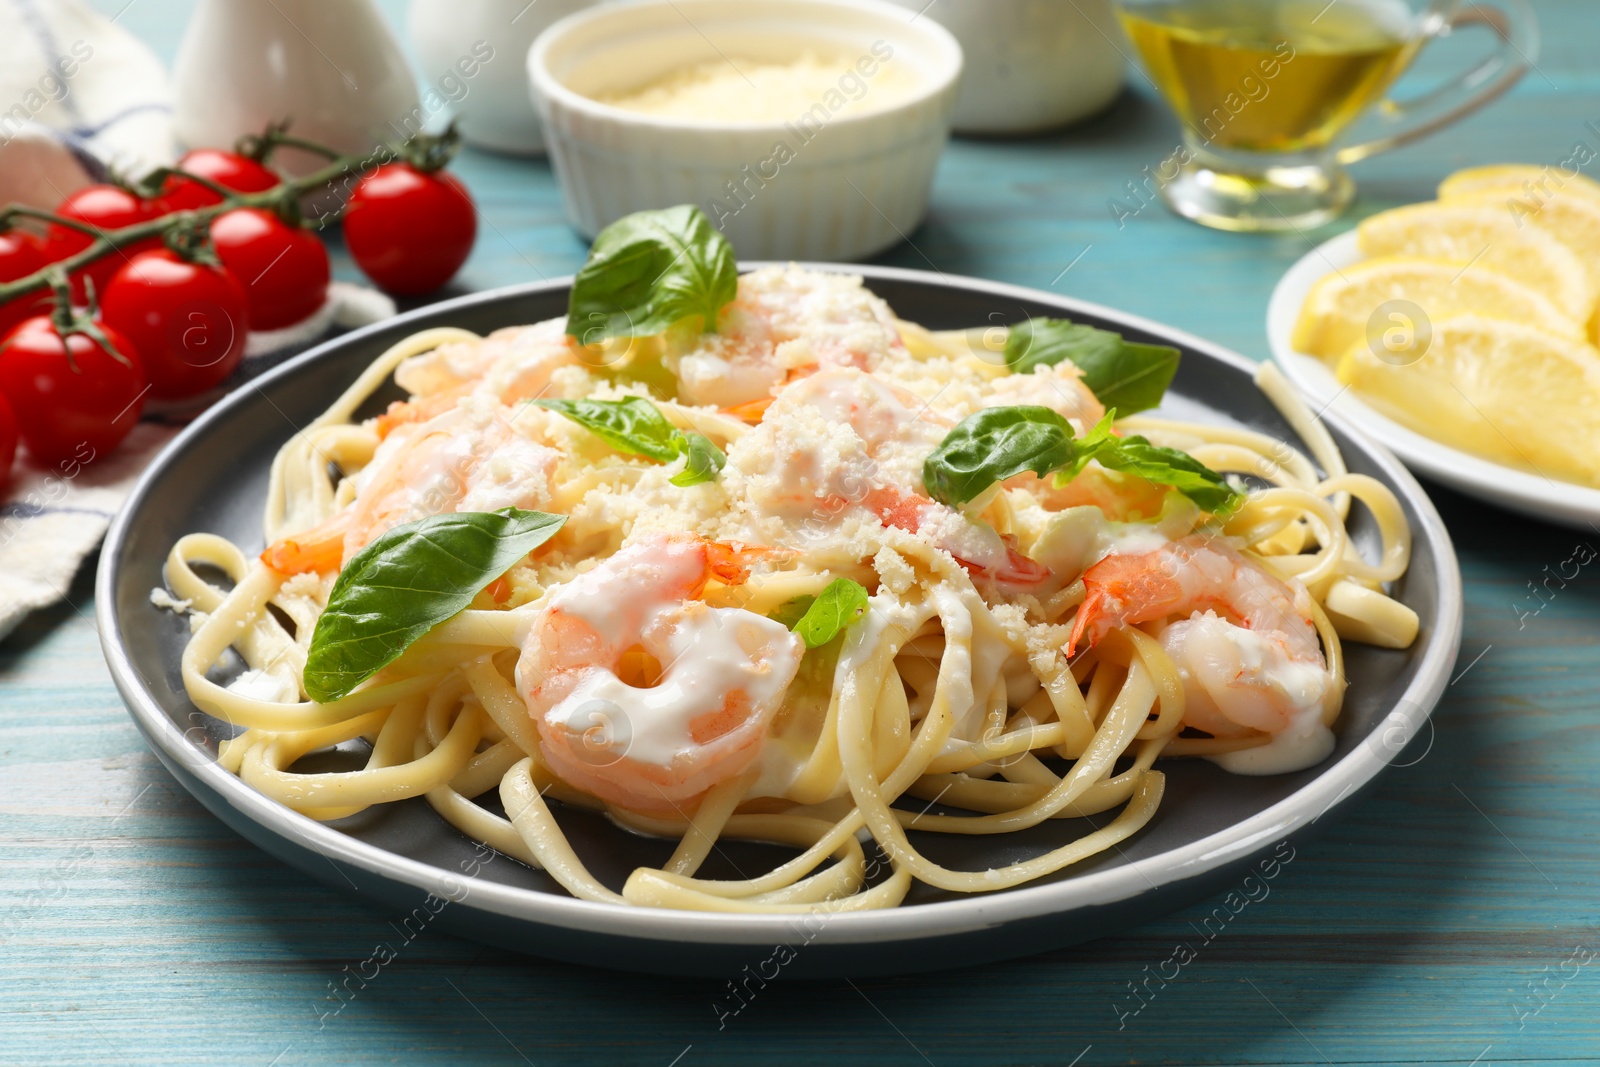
x=1503, y=366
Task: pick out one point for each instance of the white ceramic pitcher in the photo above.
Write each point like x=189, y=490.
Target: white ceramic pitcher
x=331, y=66
x=493, y=106
x=1031, y=64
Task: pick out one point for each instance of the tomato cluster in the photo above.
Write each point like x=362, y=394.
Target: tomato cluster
x=171, y=322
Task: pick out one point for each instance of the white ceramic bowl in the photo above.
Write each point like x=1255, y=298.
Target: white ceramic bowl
x=1031, y=64
x=843, y=188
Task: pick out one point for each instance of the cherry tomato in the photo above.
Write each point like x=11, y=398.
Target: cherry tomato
x=73, y=408
x=228, y=169
x=284, y=269
x=20, y=255
x=410, y=230
x=186, y=320
x=108, y=207
x=8, y=440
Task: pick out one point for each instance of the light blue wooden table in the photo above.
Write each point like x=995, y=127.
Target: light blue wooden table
x=1447, y=919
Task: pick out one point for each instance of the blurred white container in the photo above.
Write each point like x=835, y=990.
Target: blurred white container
x=848, y=188
x=1031, y=64
x=489, y=96
x=331, y=66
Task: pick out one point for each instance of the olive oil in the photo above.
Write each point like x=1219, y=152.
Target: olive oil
x=1271, y=75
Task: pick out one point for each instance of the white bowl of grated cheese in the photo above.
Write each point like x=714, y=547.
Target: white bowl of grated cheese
x=805, y=129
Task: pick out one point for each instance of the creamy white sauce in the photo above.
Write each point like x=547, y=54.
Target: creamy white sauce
x=877, y=412
x=973, y=543
x=596, y=596
x=785, y=319
x=841, y=440
x=895, y=431
x=1301, y=746
x=706, y=654
x=1234, y=677
x=706, y=660
x=966, y=710
x=861, y=640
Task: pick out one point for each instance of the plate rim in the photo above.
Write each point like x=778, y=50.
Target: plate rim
x=1535, y=495
x=1333, y=785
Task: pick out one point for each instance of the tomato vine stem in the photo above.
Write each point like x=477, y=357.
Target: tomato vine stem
x=282, y=199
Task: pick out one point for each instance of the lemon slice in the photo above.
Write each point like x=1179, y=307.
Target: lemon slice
x=1536, y=183
x=1484, y=238
x=1340, y=306
x=1573, y=220
x=1508, y=392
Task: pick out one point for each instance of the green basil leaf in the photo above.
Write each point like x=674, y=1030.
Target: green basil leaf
x=834, y=611
x=790, y=612
x=636, y=426
x=1169, y=466
x=1125, y=375
x=1099, y=439
x=705, y=460
x=408, y=581
x=633, y=425
x=995, y=444
x=1000, y=443
x=1046, y=342
x=650, y=270
x=1163, y=466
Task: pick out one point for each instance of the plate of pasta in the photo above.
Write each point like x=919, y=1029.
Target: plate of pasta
x=687, y=611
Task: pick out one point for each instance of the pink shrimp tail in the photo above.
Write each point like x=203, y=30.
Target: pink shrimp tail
x=1122, y=590
x=1019, y=569
x=1094, y=619
x=729, y=561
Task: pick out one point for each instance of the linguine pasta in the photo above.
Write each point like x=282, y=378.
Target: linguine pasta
x=1026, y=654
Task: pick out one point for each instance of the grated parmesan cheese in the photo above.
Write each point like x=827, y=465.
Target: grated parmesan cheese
x=832, y=467
x=167, y=602
x=737, y=89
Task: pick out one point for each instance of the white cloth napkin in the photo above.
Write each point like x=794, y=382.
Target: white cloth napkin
x=79, y=93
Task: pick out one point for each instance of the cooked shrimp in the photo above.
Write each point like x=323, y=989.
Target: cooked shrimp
x=642, y=694
x=840, y=441
x=467, y=459
x=1059, y=388
x=784, y=323
x=833, y=436
x=1245, y=644
x=509, y=365
x=982, y=550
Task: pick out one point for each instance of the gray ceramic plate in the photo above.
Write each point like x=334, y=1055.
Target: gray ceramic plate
x=1211, y=826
